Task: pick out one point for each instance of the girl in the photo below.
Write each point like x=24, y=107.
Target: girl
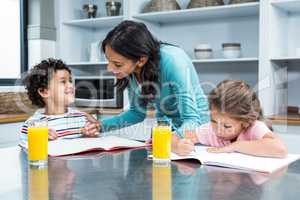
x=157, y=75
x=236, y=125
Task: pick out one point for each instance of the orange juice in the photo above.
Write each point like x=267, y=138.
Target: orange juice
x=38, y=184
x=37, y=143
x=161, y=182
x=161, y=142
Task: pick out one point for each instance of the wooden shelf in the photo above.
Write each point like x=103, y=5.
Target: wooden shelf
x=198, y=14
x=290, y=6
x=87, y=63
x=223, y=60
x=102, y=22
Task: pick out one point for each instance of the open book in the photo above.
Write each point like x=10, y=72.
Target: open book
x=238, y=160
x=61, y=147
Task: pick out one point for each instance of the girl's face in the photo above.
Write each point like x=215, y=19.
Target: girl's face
x=224, y=126
x=60, y=92
x=121, y=66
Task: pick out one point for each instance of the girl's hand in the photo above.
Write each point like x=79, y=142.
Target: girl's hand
x=226, y=149
x=184, y=147
x=192, y=136
x=52, y=134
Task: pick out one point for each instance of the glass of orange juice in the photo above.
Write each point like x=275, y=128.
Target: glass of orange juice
x=161, y=141
x=38, y=142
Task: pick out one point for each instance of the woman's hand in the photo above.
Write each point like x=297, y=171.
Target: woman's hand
x=92, y=127
x=52, y=134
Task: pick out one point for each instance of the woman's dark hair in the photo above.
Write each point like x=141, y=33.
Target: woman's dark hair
x=133, y=40
x=238, y=100
x=39, y=78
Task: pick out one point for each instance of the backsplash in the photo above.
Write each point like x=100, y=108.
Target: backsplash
x=15, y=103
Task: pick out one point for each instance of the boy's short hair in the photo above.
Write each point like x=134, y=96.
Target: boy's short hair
x=39, y=78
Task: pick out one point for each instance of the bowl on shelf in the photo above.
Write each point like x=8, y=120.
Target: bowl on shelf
x=203, y=51
x=231, y=50
x=113, y=8
x=204, y=3
x=161, y=5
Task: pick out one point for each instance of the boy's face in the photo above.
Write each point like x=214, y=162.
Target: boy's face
x=60, y=92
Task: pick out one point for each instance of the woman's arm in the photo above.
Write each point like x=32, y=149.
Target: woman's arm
x=135, y=114
x=269, y=146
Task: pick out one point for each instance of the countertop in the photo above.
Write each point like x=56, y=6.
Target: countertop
x=12, y=118
x=291, y=119
x=129, y=174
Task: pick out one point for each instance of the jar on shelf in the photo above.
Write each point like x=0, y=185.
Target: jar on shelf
x=204, y=3
x=203, y=51
x=231, y=50
x=161, y=5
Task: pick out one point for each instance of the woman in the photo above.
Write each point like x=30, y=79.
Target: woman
x=155, y=74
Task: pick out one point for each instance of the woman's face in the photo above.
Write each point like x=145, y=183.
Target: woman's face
x=119, y=65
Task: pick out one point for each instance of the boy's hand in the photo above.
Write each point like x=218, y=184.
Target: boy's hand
x=52, y=134
x=91, y=129
x=184, y=147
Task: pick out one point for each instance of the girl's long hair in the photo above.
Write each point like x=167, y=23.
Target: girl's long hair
x=238, y=100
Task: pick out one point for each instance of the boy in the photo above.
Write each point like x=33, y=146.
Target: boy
x=49, y=86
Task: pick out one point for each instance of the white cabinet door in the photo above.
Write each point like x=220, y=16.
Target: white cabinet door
x=9, y=134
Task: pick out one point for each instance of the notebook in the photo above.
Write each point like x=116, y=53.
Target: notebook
x=61, y=147
x=238, y=160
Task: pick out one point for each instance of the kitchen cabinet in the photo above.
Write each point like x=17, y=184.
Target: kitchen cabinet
x=267, y=31
x=9, y=134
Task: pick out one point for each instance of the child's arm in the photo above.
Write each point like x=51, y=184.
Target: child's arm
x=181, y=146
x=269, y=146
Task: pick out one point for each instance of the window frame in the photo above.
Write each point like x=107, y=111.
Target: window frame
x=23, y=46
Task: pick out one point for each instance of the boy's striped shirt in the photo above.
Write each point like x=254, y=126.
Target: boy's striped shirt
x=66, y=124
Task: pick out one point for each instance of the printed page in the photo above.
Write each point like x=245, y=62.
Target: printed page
x=71, y=146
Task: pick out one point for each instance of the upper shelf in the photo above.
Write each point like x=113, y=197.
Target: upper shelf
x=224, y=60
x=87, y=63
x=291, y=6
x=96, y=22
x=196, y=14
x=285, y=58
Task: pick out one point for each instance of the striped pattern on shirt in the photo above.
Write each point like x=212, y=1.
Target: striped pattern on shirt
x=65, y=124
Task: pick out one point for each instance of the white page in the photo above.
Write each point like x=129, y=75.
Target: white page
x=70, y=146
x=239, y=161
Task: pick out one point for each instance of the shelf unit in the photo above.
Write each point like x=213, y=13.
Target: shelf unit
x=196, y=14
x=268, y=31
x=291, y=6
